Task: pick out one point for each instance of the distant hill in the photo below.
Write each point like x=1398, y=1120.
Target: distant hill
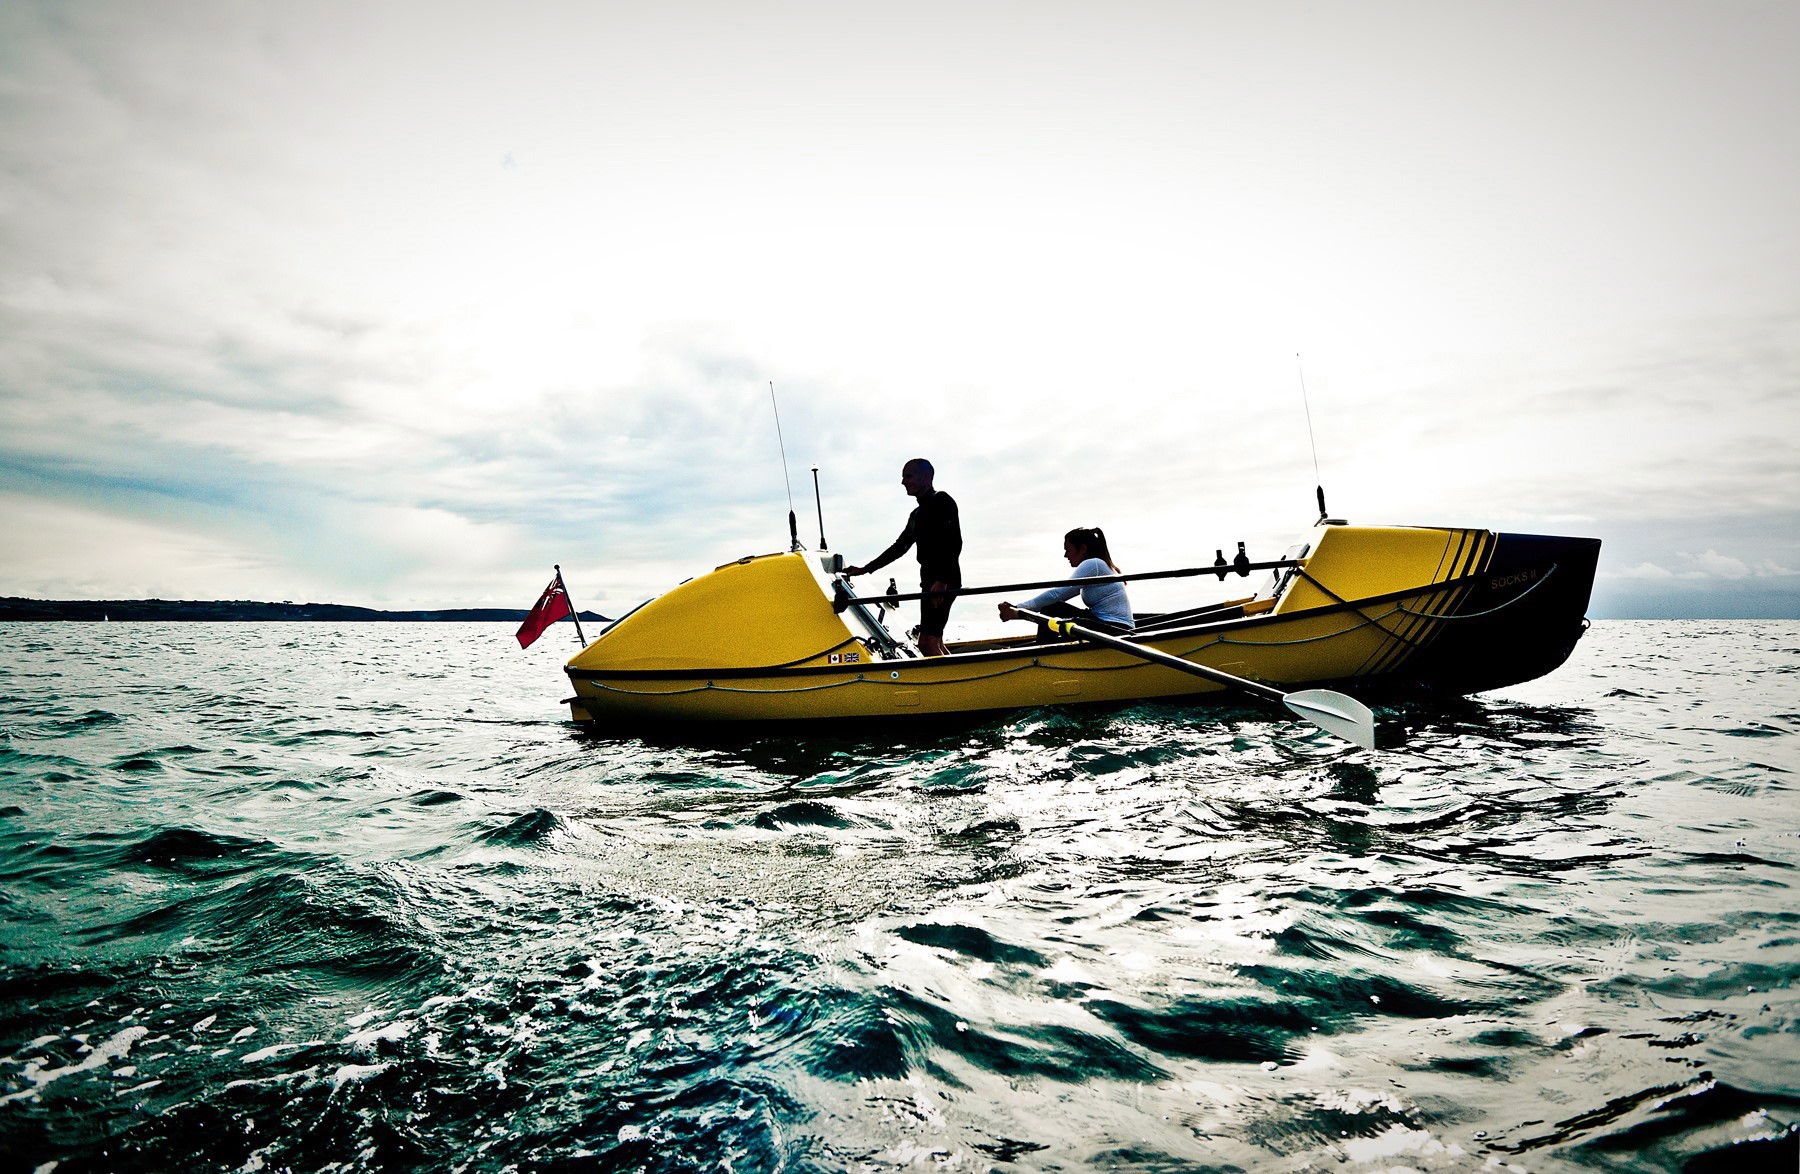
x=239, y=610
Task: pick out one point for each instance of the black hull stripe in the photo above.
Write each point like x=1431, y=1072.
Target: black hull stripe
x=1422, y=629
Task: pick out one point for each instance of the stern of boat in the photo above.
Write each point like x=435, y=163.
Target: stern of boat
x=1522, y=616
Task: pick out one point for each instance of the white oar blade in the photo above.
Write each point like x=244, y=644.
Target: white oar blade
x=1344, y=716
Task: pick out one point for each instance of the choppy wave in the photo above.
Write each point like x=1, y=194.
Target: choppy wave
x=319, y=897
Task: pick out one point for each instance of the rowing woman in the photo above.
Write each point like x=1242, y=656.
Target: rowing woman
x=1108, y=609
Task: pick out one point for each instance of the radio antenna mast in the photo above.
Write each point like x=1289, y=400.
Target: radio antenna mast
x=793, y=522
x=1318, y=478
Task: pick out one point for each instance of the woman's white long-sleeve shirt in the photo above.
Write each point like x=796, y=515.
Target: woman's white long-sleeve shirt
x=1106, y=600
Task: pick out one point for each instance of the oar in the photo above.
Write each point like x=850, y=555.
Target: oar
x=1333, y=712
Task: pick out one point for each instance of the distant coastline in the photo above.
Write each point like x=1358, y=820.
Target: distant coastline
x=239, y=611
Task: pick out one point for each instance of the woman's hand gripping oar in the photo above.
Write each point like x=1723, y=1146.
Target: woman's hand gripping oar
x=1333, y=712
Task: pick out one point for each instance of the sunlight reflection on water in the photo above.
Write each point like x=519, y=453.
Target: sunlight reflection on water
x=296, y=895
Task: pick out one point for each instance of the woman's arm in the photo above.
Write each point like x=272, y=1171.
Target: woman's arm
x=1053, y=595
x=1086, y=570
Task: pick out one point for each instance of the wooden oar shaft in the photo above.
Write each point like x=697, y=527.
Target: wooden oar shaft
x=1156, y=656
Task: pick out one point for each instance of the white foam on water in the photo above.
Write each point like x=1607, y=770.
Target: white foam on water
x=364, y=1040
x=115, y=1048
x=350, y=1073
x=279, y=1078
x=1357, y=1100
x=274, y=1050
x=1396, y=1140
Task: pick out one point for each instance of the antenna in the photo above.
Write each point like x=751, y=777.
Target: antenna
x=1319, y=486
x=820, y=504
x=793, y=524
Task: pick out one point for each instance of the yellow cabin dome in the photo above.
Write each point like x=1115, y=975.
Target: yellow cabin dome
x=763, y=611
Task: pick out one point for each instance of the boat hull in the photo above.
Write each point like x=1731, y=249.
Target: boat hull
x=1495, y=609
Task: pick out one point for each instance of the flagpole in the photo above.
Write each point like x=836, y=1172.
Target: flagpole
x=574, y=613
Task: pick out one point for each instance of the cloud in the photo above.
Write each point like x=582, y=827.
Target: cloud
x=1745, y=572
x=1653, y=573
x=270, y=308
x=61, y=550
x=1724, y=566
x=1709, y=566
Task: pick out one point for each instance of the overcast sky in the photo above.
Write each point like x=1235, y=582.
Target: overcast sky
x=398, y=304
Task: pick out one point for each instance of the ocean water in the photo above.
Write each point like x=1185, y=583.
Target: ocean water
x=356, y=897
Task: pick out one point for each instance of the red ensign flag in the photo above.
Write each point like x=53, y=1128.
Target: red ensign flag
x=551, y=606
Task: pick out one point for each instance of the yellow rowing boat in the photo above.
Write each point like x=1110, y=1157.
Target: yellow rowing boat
x=781, y=638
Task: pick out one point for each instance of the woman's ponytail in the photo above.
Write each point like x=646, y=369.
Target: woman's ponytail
x=1094, y=538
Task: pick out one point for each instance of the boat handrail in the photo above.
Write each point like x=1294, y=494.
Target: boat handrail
x=848, y=597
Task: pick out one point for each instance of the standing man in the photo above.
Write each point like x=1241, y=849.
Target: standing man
x=935, y=528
